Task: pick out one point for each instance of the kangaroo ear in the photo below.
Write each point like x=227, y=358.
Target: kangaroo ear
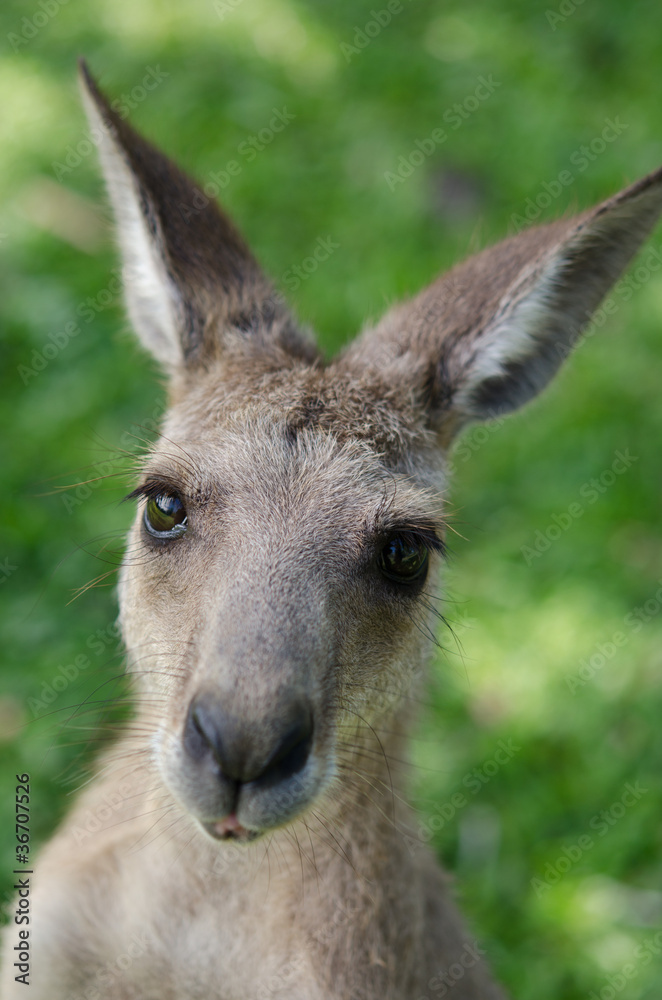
x=191, y=282
x=489, y=335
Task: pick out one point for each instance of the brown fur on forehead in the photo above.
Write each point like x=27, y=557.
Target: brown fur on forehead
x=350, y=405
x=259, y=472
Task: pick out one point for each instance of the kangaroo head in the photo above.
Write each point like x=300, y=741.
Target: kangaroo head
x=277, y=594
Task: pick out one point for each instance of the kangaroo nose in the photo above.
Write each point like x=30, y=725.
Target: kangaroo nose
x=268, y=750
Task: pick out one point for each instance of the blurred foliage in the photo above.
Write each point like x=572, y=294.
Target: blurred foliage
x=522, y=630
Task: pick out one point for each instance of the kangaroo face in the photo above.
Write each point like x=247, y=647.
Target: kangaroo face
x=279, y=582
x=279, y=571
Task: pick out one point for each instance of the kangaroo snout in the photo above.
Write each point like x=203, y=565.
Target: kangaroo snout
x=214, y=735
x=245, y=767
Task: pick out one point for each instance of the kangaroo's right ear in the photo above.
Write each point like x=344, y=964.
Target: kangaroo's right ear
x=191, y=282
x=489, y=335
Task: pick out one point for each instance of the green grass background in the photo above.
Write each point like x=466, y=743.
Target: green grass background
x=523, y=628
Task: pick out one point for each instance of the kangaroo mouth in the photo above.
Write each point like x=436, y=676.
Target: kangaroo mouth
x=229, y=829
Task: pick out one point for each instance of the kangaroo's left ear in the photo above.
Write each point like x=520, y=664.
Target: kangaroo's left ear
x=490, y=334
x=191, y=283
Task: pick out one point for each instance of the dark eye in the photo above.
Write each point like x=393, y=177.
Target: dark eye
x=404, y=559
x=165, y=516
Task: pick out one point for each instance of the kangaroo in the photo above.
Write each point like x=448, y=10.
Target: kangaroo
x=276, y=602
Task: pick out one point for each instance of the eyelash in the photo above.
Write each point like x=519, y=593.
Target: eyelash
x=422, y=535
x=153, y=488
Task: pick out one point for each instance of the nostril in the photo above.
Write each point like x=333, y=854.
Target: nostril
x=267, y=751
x=291, y=753
x=201, y=733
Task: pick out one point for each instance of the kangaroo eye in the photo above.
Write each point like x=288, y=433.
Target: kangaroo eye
x=404, y=559
x=165, y=516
